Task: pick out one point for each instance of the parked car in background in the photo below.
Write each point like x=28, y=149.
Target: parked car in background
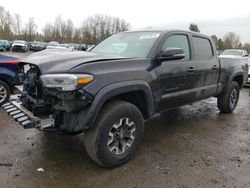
x=11, y=74
x=234, y=53
x=52, y=44
x=29, y=45
x=75, y=45
x=38, y=46
x=83, y=47
x=19, y=46
x=79, y=46
x=61, y=47
x=65, y=46
x=90, y=47
x=5, y=45
x=239, y=55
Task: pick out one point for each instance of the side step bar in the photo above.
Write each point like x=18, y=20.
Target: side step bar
x=25, y=117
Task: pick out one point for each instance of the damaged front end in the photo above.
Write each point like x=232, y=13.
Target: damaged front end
x=55, y=102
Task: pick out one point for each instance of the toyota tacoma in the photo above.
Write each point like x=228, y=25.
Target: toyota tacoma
x=130, y=77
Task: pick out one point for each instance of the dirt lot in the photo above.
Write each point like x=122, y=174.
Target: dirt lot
x=192, y=146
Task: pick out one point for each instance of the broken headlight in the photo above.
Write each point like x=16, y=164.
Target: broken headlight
x=66, y=82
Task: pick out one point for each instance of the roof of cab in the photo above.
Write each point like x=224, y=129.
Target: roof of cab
x=168, y=31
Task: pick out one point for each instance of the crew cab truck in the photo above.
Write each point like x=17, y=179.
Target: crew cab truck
x=130, y=77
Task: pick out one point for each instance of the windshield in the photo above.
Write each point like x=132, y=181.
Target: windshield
x=232, y=52
x=134, y=44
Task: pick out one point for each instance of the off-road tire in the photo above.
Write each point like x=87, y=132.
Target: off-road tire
x=223, y=101
x=96, y=138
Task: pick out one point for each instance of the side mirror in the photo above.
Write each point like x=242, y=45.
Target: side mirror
x=247, y=55
x=171, y=54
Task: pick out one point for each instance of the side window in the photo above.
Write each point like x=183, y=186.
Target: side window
x=178, y=41
x=203, y=48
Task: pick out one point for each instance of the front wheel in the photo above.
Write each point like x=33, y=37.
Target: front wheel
x=116, y=134
x=228, y=100
x=4, y=92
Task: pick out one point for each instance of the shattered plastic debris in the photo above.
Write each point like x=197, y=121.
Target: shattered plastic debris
x=40, y=170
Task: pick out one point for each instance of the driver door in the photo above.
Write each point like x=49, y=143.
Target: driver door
x=176, y=77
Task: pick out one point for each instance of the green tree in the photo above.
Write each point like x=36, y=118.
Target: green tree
x=218, y=42
x=194, y=27
x=220, y=45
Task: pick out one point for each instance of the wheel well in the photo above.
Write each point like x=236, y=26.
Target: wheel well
x=136, y=98
x=239, y=79
x=11, y=88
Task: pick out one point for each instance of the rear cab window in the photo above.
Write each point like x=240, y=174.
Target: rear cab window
x=203, y=48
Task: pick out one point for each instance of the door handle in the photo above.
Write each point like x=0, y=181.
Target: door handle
x=215, y=67
x=191, y=69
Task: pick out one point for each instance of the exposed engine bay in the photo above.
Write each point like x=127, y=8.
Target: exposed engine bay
x=64, y=107
x=32, y=96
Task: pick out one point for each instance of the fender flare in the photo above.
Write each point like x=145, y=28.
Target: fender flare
x=119, y=88
x=238, y=73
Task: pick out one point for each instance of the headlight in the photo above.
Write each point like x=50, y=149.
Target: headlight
x=66, y=82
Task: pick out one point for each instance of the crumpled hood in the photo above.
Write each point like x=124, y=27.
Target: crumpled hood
x=58, y=61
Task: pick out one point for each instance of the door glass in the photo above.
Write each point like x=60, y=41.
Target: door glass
x=202, y=47
x=178, y=41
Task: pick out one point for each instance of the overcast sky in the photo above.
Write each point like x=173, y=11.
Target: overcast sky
x=212, y=16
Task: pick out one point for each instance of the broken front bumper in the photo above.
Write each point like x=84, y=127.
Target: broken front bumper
x=25, y=118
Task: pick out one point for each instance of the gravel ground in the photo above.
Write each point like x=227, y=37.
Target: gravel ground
x=192, y=146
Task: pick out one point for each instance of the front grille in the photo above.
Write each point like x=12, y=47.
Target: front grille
x=32, y=96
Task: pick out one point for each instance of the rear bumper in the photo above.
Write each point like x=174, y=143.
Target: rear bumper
x=25, y=118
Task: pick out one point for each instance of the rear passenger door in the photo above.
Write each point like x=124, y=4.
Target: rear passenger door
x=207, y=66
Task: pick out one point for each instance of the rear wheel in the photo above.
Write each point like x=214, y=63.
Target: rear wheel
x=228, y=100
x=4, y=92
x=116, y=135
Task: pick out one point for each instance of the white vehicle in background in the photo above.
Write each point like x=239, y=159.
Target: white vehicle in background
x=19, y=46
x=52, y=45
x=65, y=46
x=238, y=54
x=56, y=46
x=234, y=53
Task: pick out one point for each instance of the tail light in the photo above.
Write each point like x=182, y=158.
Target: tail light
x=12, y=62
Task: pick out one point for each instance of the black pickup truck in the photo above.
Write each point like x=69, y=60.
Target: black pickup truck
x=128, y=78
